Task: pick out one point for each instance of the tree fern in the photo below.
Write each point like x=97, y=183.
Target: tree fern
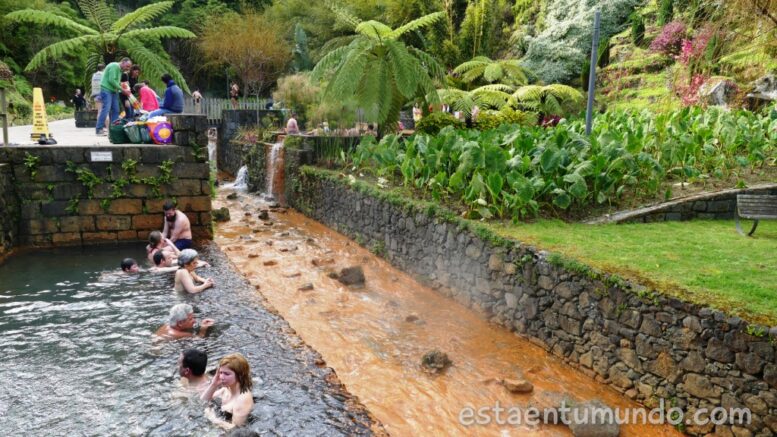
x=108, y=40
x=141, y=15
x=547, y=99
x=426, y=20
x=504, y=70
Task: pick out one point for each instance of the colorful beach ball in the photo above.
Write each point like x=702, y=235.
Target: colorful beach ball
x=162, y=133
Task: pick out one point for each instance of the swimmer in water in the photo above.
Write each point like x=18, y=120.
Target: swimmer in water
x=182, y=324
x=165, y=262
x=186, y=278
x=232, y=387
x=191, y=369
x=129, y=265
x=156, y=243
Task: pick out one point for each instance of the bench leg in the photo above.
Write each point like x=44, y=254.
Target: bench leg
x=755, y=225
x=739, y=226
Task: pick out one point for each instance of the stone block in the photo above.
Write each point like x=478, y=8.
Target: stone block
x=55, y=209
x=90, y=207
x=66, y=238
x=60, y=155
x=147, y=171
x=39, y=226
x=128, y=235
x=194, y=217
x=199, y=203
x=147, y=222
x=188, y=122
x=113, y=223
x=126, y=206
x=132, y=153
x=98, y=237
x=191, y=170
x=53, y=173
x=205, y=218
x=182, y=187
x=701, y=387
x=138, y=190
x=31, y=210
x=77, y=224
x=67, y=191
x=156, y=154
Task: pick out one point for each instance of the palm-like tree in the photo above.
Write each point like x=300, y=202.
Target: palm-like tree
x=545, y=99
x=107, y=39
x=506, y=71
x=377, y=70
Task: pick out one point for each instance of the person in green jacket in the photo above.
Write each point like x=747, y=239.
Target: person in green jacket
x=110, y=87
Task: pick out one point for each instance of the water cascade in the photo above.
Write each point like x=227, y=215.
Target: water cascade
x=274, y=182
x=241, y=180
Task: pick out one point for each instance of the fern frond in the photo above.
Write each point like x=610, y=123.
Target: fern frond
x=159, y=33
x=373, y=29
x=329, y=61
x=507, y=89
x=343, y=15
x=563, y=92
x=91, y=66
x=528, y=93
x=141, y=15
x=458, y=100
x=433, y=67
x=97, y=12
x=334, y=43
x=369, y=89
x=493, y=72
x=48, y=19
x=416, y=24
x=60, y=49
x=404, y=68
x=489, y=98
x=154, y=66
x=347, y=75
x=477, y=61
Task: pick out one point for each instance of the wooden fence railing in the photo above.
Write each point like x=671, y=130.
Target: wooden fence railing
x=212, y=107
x=4, y=116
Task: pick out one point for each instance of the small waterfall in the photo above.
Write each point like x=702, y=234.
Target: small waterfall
x=274, y=181
x=241, y=180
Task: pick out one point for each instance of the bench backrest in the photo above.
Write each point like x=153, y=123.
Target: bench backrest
x=757, y=206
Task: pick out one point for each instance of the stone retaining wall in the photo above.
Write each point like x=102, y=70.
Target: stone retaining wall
x=9, y=207
x=51, y=185
x=645, y=345
x=230, y=155
x=706, y=206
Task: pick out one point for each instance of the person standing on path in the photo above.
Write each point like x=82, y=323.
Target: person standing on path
x=110, y=86
x=197, y=99
x=234, y=93
x=97, y=77
x=78, y=100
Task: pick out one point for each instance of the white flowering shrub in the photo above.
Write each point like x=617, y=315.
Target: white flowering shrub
x=557, y=54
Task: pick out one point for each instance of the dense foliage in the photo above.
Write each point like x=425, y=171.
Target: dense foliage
x=516, y=171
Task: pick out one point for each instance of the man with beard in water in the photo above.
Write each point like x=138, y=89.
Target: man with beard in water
x=177, y=227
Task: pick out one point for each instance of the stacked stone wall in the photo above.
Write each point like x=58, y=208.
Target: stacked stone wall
x=9, y=211
x=67, y=196
x=646, y=345
x=230, y=155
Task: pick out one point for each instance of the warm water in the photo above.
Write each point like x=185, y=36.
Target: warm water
x=78, y=357
x=366, y=337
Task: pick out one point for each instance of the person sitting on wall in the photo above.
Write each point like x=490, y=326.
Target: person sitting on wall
x=148, y=99
x=157, y=242
x=371, y=130
x=129, y=265
x=185, y=277
x=232, y=387
x=291, y=125
x=191, y=368
x=173, y=102
x=182, y=324
x=177, y=227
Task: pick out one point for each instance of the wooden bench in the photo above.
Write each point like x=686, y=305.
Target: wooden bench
x=755, y=207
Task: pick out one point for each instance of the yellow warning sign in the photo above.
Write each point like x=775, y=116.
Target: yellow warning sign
x=40, y=126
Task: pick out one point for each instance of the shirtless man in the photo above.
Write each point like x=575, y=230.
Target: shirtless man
x=181, y=324
x=177, y=227
x=165, y=261
x=191, y=369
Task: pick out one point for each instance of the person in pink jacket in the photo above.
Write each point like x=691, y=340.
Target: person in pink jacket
x=148, y=100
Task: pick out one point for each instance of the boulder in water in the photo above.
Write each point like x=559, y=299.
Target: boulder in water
x=435, y=361
x=518, y=385
x=270, y=263
x=221, y=214
x=232, y=196
x=592, y=416
x=264, y=214
x=353, y=275
x=306, y=287
x=322, y=262
x=268, y=223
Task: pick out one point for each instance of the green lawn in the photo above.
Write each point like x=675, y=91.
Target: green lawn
x=706, y=262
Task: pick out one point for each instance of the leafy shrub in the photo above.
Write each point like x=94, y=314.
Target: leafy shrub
x=670, y=40
x=509, y=172
x=637, y=28
x=665, y=11
x=434, y=122
x=488, y=120
x=523, y=118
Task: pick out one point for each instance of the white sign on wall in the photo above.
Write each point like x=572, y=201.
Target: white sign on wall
x=102, y=156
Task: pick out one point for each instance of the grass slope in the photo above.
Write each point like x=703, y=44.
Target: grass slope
x=706, y=262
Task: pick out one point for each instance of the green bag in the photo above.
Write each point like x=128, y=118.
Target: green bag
x=116, y=134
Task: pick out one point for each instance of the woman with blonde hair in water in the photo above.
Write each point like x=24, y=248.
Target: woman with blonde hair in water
x=231, y=386
x=185, y=277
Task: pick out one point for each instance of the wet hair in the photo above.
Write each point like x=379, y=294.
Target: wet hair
x=159, y=256
x=154, y=238
x=166, y=77
x=127, y=264
x=242, y=432
x=238, y=364
x=187, y=256
x=168, y=205
x=195, y=360
x=179, y=313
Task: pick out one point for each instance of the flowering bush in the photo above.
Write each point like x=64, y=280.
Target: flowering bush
x=670, y=40
x=693, y=50
x=689, y=94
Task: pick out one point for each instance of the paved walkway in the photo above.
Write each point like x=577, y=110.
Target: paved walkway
x=64, y=131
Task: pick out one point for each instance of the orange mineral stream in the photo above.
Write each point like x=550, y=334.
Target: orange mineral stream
x=365, y=336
